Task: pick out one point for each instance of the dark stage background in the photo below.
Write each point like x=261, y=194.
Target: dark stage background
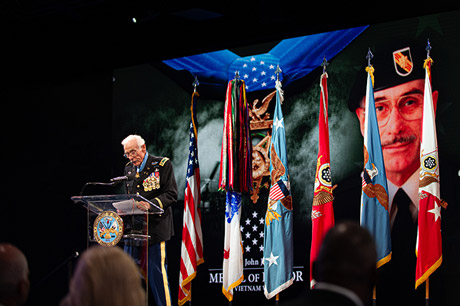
x=75, y=82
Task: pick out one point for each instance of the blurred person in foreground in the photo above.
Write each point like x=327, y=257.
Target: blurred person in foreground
x=14, y=276
x=345, y=268
x=105, y=276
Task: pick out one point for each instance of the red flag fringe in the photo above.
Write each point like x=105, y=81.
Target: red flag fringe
x=236, y=152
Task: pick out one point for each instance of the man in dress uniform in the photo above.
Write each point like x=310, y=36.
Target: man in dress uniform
x=153, y=178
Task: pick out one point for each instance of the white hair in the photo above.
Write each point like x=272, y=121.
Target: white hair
x=139, y=140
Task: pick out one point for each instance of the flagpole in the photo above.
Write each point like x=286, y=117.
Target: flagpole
x=190, y=301
x=324, y=64
x=277, y=71
x=195, y=84
x=427, y=292
x=369, y=56
x=427, y=282
x=192, y=240
x=374, y=296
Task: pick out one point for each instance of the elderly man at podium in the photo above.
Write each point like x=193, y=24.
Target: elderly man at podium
x=153, y=178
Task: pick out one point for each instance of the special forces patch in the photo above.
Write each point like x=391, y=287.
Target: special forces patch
x=152, y=182
x=108, y=228
x=403, y=61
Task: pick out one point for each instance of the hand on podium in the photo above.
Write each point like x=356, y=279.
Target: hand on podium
x=142, y=205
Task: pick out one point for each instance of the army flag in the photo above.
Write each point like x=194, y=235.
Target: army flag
x=429, y=242
x=192, y=238
x=235, y=161
x=322, y=213
x=233, y=245
x=278, y=230
x=374, y=194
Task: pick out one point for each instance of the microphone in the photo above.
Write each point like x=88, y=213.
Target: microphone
x=122, y=178
x=119, y=178
x=113, y=181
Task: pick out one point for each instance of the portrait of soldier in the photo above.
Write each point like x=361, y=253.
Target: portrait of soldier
x=399, y=95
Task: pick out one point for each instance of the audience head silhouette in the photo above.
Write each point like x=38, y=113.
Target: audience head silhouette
x=105, y=276
x=347, y=258
x=14, y=276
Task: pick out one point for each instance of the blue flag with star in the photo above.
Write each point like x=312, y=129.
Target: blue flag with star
x=278, y=231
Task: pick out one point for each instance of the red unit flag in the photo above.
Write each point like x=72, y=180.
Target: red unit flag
x=429, y=242
x=322, y=213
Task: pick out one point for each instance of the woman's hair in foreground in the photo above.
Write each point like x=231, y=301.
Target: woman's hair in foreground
x=105, y=276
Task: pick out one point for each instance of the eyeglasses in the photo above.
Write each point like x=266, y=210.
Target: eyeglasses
x=130, y=153
x=410, y=107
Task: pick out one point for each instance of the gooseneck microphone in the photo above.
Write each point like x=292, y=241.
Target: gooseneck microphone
x=119, y=178
x=123, y=178
x=113, y=181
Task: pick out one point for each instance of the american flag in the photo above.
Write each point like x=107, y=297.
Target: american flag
x=192, y=238
x=252, y=230
x=279, y=190
x=258, y=72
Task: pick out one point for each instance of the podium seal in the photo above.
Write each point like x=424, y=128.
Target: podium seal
x=108, y=228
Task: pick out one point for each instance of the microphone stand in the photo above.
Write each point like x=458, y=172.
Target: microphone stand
x=132, y=218
x=58, y=268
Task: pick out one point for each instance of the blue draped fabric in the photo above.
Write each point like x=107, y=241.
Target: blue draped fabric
x=297, y=57
x=208, y=67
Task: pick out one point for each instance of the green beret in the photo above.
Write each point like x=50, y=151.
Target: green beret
x=394, y=64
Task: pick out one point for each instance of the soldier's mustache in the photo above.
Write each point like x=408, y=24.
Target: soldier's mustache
x=399, y=139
